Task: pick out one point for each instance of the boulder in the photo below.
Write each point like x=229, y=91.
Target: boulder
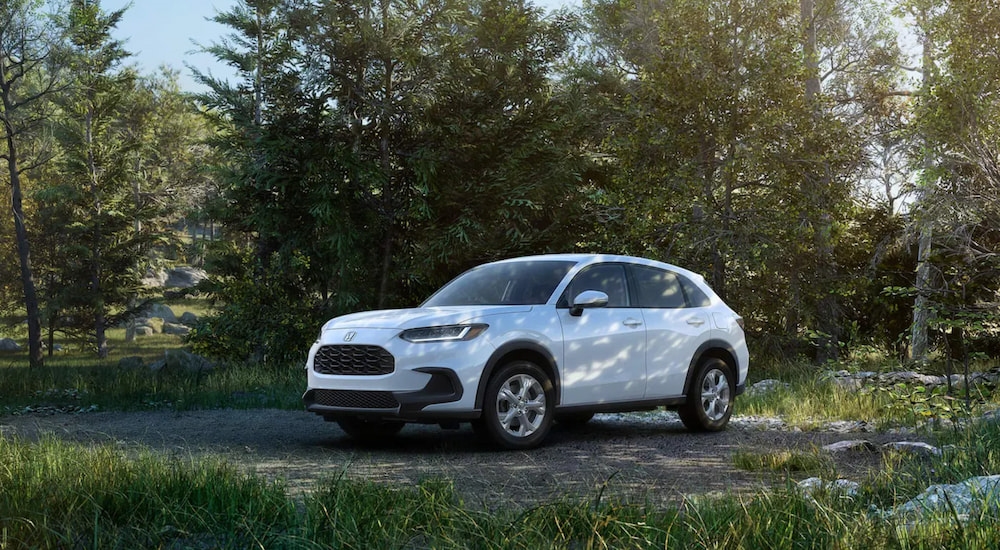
x=767, y=386
x=8, y=344
x=176, y=329
x=160, y=310
x=189, y=319
x=154, y=278
x=181, y=361
x=973, y=497
x=185, y=277
x=913, y=447
x=850, y=445
x=844, y=487
x=144, y=330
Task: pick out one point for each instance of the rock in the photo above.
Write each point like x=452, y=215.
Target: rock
x=130, y=363
x=154, y=278
x=185, y=277
x=767, y=386
x=8, y=344
x=848, y=426
x=844, y=487
x=160, y=311
x=991, y=416
x=189, y=319
x=176, y=329
x=181, y=361
x=971, y=497
x=848, y=383
x=913, y=447
x=910, y=377
x=850, y=445
x=144, y=330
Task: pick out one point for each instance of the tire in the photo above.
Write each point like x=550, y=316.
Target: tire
x=370, y=431
x=710, y=397
x=518, y=405
x=573, y=420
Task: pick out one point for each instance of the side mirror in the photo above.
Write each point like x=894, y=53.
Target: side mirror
x=586, y=300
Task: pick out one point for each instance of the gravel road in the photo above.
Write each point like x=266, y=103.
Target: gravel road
x=634, y=457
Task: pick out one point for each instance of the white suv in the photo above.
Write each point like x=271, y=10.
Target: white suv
x=512, y=346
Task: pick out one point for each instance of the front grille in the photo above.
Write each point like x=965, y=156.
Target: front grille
x=353, y=360
x=352, y=399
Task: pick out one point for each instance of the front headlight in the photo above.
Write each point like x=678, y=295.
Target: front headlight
x=447, y=333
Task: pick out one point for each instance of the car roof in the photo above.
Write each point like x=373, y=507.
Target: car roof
x=587, y=259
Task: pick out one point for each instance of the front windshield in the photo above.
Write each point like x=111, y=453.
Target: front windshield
x=507, y=283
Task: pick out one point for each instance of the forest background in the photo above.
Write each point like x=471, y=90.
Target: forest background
x=835, y=188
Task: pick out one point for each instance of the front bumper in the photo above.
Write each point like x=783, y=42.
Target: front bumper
x=443, y=386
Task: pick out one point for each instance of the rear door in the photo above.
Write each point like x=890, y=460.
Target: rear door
x=677, y=323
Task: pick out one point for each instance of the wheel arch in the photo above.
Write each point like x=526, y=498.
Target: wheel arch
x=716, y=349
x=519, y=351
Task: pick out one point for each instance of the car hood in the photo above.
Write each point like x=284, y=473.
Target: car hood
x=419, y=317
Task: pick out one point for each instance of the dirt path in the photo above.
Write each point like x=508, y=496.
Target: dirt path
x=635, y=458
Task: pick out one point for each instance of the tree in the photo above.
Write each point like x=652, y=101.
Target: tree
x=97, y=151
x=356, y=139
x=28, y=79
x=958, y=122
x=710, y=137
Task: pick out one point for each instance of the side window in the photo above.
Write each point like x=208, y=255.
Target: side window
x=695, y=296
x=658, y=288
x=607, y=278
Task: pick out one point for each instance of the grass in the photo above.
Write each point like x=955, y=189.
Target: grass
x=75, y=380
x=62, y=495
x=783, y=461
x=811, y=401
x=57, y=494
x=106, y=387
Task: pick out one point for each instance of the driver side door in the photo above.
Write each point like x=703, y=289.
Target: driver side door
x=604, y=348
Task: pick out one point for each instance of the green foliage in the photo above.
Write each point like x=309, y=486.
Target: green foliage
x=271, y=324
x=56, y=495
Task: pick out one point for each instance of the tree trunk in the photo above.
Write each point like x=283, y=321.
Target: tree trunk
x=100, y=336
x=921, y=304
x=816, y=187
x=35, y=356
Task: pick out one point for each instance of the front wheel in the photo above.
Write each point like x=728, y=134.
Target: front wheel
x=710, y=399
x=517, y=407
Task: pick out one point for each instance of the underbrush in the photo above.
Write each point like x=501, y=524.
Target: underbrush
x=808, y=397
x=74, y=380
x=63, y=495
x=90, y=387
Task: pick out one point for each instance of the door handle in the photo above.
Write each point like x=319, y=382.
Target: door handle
x=696, y=322
x=632, y=323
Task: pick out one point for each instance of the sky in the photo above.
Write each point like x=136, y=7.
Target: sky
x=164, y=32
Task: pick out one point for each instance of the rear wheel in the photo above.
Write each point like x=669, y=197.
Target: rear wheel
x=369, y=430
x=517, y=407
x=710, y=398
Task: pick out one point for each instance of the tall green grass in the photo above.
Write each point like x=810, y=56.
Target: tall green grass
x=107, y=387
x=58, y=495
x=812, y=400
